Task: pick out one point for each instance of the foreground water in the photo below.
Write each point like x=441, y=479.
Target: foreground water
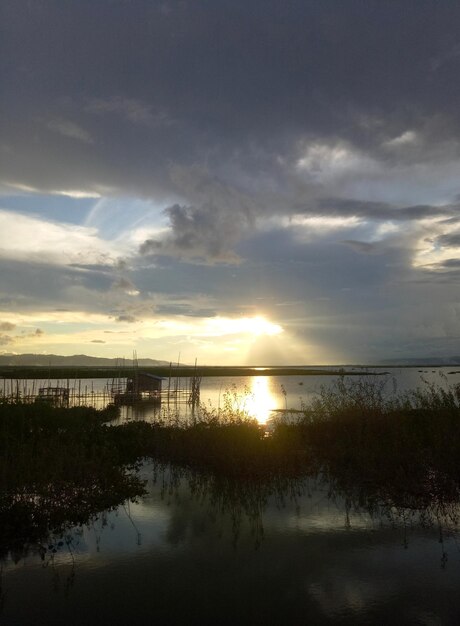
x=198, y=551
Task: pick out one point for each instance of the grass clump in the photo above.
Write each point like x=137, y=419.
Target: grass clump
x=408, y=444
x=57, y=467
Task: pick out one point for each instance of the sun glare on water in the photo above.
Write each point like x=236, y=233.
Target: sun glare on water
x=260, y=401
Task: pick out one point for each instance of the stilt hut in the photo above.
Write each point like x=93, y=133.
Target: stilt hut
x=141, y=386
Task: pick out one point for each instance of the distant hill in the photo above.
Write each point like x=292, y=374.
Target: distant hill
x=77, y=360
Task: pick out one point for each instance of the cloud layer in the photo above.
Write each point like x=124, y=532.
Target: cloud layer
x=298, y=161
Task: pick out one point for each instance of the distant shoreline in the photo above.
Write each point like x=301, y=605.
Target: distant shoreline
x=72, y=372
x=174, y=370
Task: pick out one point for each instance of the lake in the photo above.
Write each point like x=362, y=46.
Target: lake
x=195, y=551
x=199, y=549
x=263, y=396
x=257, y=396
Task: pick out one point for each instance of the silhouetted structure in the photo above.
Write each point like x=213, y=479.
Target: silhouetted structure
x=57, y=396
x=140, y=386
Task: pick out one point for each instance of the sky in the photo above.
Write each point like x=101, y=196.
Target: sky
x=262, y=182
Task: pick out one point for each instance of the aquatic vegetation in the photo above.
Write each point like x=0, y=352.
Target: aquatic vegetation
x=57, y=467
x=401, y=448
x=61, y=466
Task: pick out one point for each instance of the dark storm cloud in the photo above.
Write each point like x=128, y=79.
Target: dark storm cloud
x=112, y=94
x=213, y=104
x=202, y=233
x=449, y=264
x=286, y=265
x=238, y=122
x=449, y=240
x=123, y=284
x=362, y=246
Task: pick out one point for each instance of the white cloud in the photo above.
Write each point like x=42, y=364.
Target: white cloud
x=386, y=228
x=29, y=238
x=75, y=193
x=71, y=193
x=407, y=138
x=325, y=163
x=324, y=222
x=218, y=327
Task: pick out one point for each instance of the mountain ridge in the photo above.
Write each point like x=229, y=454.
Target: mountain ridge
x=75, y=360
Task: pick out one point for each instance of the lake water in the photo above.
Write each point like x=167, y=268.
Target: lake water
x=258, y=396
x=206, y=554
x=262, y=396
x=196, y=550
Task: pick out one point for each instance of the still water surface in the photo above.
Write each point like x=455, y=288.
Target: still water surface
x=263, y=396
x=257, y=396
x=196, y=550
x=185, y=554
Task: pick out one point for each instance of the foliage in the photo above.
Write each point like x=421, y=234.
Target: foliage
x=57, y=467
x=60, y=466
x=409, y=443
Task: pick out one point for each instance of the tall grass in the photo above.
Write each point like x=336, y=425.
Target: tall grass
x=360, y=434
x=63, y=465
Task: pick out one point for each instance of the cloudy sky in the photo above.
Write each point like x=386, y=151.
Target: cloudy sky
x=237, y=181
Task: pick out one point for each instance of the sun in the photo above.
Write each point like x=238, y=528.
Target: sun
x=249, y=326
x=259, y=325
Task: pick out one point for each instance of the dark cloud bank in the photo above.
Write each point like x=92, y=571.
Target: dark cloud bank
x=304, y=152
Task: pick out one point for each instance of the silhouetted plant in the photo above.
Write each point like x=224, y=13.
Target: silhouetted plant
x=60, y=466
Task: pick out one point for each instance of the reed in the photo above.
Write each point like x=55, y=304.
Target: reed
x=61, y=465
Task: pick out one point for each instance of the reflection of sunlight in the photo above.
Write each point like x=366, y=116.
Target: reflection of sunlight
x=261, y=401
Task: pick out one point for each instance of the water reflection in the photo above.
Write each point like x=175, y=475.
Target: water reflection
x=260, y=401
x=259, y=395
x=200, y=546
x=255, y=399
